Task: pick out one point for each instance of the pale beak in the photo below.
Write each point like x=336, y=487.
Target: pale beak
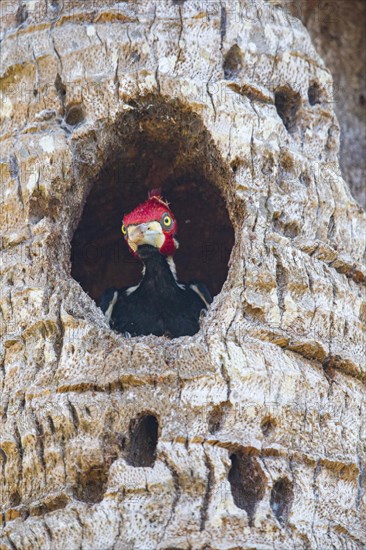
x=145, y=233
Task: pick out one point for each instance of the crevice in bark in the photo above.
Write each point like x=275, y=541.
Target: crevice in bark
x=22, y=14
x=61, y=92
x=361, y=480
x=4, y=460
x=48, y=531
x=328, y=365
x=223, y=24
x=11, y=543
x=177, y=489
x=247, y=482
x=282, y=496
x=74, y=415
x=226, y=377
x=282, y=282
x=20, y=450
x=40, y=443
x=51, y=424
x=315, y=488
x=87, y=386
x=208, y=491
x=14, y=170
x=57, y=502
x=143, y=441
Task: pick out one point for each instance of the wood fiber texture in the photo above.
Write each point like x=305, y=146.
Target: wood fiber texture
x=250, y=434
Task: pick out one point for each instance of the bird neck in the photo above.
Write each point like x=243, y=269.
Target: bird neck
x=157, y=266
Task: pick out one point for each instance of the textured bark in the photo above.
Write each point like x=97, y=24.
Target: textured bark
x=260, y=441
x=337, y=29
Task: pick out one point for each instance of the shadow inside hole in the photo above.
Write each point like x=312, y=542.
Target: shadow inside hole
x=287, y=103
x=74, y=115
x=143, y=442
x=15, y=499
x=91, y=485
x=233, y=62
x=314, y=94
x=281, y=500
x=247, y=483
x=154, y=145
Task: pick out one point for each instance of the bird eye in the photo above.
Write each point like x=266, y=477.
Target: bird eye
x=123, y=229
x=167, y=220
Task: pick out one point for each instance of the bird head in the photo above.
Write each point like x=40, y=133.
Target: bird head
x=151, y=223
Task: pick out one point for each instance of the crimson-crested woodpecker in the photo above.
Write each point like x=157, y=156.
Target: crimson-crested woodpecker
x=159, y=304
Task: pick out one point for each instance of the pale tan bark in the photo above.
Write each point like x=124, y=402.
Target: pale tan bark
x=262, y=413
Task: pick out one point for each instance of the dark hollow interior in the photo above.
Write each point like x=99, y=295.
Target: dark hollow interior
x=246, y=481
x=150, y=146
x=144, y=440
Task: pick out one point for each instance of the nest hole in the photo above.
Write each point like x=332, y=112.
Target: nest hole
x=152, y=144
x=247, y=483
x=143, y=441
x=282, y=497
x=288, y=103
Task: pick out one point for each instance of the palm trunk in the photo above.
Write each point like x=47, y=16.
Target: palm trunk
x=249, y=434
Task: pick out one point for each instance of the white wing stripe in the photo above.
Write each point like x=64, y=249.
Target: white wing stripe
x=196, y=289
x=109, y=311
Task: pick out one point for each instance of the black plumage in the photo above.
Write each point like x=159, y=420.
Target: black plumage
x=159, y=305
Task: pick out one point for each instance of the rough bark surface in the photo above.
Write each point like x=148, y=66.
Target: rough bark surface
x=337, y=29
x=260, y=441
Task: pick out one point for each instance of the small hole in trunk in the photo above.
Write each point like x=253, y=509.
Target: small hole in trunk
x=144, y=439
x=247, y=483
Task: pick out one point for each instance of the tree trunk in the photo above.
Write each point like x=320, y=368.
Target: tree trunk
x=250, y=434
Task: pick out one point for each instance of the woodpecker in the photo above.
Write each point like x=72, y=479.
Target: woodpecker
x=159, y=304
